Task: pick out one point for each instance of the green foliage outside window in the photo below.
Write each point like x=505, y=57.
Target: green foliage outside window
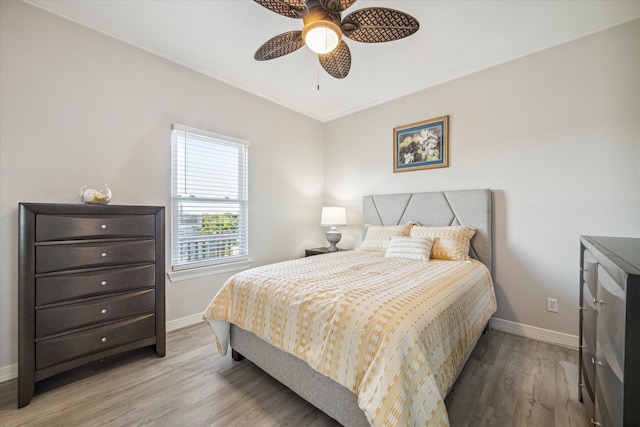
x=210, y=225
x=226, y=223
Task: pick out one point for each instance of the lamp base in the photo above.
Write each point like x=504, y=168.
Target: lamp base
x=333, y=237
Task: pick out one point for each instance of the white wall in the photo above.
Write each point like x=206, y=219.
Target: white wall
x=556, y=135
x=78, y=107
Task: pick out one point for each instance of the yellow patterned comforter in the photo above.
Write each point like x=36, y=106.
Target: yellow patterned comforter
x=394, y=331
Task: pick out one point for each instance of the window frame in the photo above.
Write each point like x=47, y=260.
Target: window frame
x=179, y=268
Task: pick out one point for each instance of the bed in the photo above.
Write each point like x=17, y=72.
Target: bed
x=362, y=335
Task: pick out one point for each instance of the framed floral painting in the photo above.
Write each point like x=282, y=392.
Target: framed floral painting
x=422, y=145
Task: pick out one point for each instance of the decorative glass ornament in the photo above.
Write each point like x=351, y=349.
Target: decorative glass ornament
x=95, y=194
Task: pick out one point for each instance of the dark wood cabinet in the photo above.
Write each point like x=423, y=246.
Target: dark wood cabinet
x=91, y=286
x=609, y=355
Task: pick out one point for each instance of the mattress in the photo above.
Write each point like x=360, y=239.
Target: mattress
x=393, y=331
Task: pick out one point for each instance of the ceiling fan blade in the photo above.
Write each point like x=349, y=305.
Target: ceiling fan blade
x=338, y=62
x=378, y=24
x=336, y=5
x=280, y=45
x=289, y=8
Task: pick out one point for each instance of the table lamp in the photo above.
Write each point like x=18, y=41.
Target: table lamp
x=332, y=217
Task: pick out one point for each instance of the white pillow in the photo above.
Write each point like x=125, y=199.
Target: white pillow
x=378, y=236
x=417, y=248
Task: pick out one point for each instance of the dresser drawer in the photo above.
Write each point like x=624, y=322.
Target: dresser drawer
x=588, y=368
x=609, y=396
x=587, y=401
x=64, y=287
x=590, y=272
x=82, y=255
x=69, y=227
x=601, y=416
x=589, y=313
x=71, y=316
x=52, y=351
x=588, y=340
x=611, y=319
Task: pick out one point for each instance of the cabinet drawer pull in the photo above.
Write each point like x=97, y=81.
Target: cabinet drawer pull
x=104, y=339
x=595, y=423
x=582, y=307
x=596, y=362
x=103, y=283
x=103, y=226
x=103, y=311
x=104, y=254
x=582, y=346
x=599, y=301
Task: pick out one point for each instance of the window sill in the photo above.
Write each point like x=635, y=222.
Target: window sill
x=194, y=273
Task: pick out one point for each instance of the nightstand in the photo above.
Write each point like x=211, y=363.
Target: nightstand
x=320, y=251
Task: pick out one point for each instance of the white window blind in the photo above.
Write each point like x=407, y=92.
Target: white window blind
x=209, y=199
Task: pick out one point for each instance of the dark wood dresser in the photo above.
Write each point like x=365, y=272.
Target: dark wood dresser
x=609, y=354
x=91, y=285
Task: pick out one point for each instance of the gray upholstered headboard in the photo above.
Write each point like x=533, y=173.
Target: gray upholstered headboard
x=437, y=209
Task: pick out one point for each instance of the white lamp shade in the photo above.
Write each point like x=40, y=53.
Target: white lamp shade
x=332, y=216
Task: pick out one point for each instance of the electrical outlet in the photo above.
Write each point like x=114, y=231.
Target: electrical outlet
x=552, y=305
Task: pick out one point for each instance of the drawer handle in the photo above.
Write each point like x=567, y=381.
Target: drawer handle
x=103, y=226
x=582, y=346
x=596, y=362
x=583, y=308
x=103, y=311
x=599, y=301
x=104, y=339
x=103, y=283
x=595, y=423
x=103, y=254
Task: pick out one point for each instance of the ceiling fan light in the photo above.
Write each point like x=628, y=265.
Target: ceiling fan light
x=322, y=36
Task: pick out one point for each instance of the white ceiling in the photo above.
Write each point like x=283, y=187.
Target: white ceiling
x=456, y=38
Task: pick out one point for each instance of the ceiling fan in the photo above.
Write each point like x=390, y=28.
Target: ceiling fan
x=324, y=27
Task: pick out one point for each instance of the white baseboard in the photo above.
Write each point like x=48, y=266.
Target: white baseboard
x=535, y=333
x=183, y=322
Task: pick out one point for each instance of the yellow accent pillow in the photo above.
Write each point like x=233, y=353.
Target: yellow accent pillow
x=451, y=243
x=418, y=248
x=379, y=236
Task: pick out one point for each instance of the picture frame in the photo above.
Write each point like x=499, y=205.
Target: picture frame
x=422, y=145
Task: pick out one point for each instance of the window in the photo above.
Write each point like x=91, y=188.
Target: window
x=209, y=224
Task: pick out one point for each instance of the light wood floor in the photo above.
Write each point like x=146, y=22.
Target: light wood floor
x=508, y=381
